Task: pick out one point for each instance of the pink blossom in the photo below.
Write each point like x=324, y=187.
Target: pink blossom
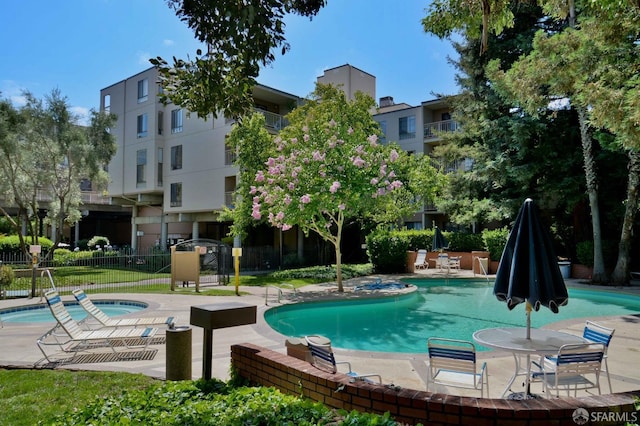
x=287, y=199
x=392, y=174
x=294, y=140
x=350, y=130
x=383, y=170
x=280, y=216
x=393, y=156
x=260, y=176
x=286, y=227
x=341, y=207
x=256, y=214
x=396, y=184
x=322, y=173
x=317, y=156
x=358, y=162
x=373, y=139
x=253, y=190
x=333, y=123
x=381, y=191
x=305, y=128
x=305, y=199
x=306, y=138
x=271, y=162
x=334, y=187
x=291, y=186
x=256, y=200
x=374, y=181
x=359, y=149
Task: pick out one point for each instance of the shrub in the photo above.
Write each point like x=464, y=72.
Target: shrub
x=464, y=241
x=63, y=257
x=10, y=244
x=212, y=403
x=494, y=241
x=584, y=252
x=98, y=241
x=6, y=276
x=387, y=251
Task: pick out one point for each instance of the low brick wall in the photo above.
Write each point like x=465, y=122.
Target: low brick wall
x=291, y=375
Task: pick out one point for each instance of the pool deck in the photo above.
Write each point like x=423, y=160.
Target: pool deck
x=18, y=341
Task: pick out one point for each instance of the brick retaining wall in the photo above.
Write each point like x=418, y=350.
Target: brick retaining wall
x=291, y=375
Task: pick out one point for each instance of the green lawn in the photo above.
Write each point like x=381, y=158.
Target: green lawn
x=30, y=396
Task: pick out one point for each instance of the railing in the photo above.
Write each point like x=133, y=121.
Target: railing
x=273, y=120
x=432, y=130
x=229, y=156
x=279, y=292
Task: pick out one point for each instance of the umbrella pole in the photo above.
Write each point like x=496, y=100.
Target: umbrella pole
x=528, y=308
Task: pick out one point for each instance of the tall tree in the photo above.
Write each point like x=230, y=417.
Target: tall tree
x=326, y=169
x=514, y=155
x=240, y=37
x=46, y=154
x=562, y=65
x=447, y=16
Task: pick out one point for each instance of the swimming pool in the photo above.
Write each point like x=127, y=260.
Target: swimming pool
x=443, y=308
x=41, y=313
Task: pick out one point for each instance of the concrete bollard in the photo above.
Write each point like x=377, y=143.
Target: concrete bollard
x=179, y=359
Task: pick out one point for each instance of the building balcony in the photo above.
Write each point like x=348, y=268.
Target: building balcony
x=273, y=120
x=432, y=130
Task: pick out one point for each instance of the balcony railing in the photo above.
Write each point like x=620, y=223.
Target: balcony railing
x=273, y=120
x=229, y=156
x=432, y=130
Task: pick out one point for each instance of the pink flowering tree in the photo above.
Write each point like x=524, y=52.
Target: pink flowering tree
x=326, y=169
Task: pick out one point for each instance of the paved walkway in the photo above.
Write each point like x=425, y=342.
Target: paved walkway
x=18, y=341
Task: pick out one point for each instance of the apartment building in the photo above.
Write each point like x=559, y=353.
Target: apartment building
x=175, y=172
x=417, y=129
x=171, y=167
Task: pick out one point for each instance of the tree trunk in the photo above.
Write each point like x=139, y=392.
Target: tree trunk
x=339, y=268
x=599, y=272
x=621, y=275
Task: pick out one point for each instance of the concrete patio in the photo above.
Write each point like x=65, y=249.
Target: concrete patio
x=18, y=341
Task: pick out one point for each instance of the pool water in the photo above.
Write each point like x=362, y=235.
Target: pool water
x=439, y=308
x=41, y=313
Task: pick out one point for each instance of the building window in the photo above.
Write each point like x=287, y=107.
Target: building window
x=176, y=194
x=160, y=122
x=106, y=103
x=407, y=127
x=160, y=166
x=383, y=128
x=141, y=165
x=176, y=121
x=142, y=125
x=143, y=90
x=176, y=157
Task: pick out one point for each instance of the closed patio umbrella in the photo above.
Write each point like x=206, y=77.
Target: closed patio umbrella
x=439, y=241
x=528, y=271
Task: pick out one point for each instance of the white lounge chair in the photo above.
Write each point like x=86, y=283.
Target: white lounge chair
x=421, y=260
x=107, y=321
x=70, y=337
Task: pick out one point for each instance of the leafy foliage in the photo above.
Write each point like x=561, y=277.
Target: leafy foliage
x=323, y=273
x=494, y=241
x=11, y=244
x=239, y=38
x=211, y=403
x=387, y=251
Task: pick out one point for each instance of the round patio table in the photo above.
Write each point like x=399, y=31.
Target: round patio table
x=514, y=339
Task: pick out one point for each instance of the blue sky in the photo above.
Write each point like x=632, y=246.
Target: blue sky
x=82, y=46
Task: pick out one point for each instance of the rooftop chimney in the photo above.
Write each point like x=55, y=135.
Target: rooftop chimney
x=386, y=101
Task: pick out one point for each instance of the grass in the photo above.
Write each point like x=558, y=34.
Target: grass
x=30, y=396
